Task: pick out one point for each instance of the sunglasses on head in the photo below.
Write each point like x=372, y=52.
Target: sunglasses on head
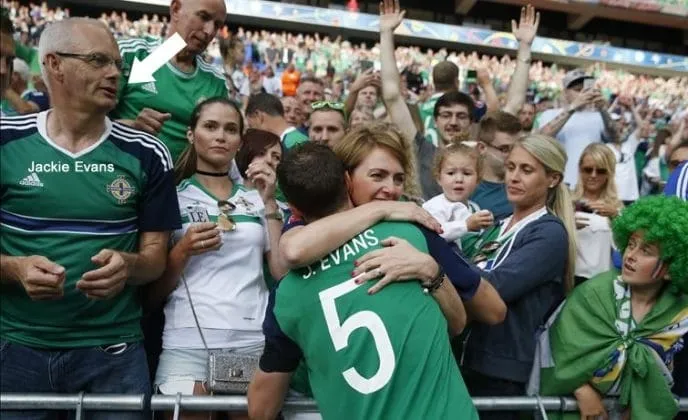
x=336, y=106
x=327, y=104
x=589, y=170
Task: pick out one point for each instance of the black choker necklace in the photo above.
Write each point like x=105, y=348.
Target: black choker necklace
x=217, y=174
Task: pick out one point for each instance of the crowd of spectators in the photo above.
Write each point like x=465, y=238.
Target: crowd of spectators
x=339, y=59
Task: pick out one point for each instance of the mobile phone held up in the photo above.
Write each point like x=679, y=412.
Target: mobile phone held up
x=588, y=84
x=583, y=207
x=471, y=76
x=366, y=65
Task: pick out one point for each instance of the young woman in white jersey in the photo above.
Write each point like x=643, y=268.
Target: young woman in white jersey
x=216, y=261
x=458, y=170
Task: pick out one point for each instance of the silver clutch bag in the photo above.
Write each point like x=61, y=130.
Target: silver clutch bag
x=230, y=373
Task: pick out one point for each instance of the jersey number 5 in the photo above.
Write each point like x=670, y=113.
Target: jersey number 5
x=340, y=338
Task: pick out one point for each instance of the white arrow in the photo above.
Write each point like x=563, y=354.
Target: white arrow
x=142, y=71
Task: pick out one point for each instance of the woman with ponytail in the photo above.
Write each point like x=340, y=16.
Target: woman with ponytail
x=529, y=259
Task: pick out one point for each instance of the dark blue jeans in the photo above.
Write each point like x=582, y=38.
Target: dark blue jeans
x=119, y=369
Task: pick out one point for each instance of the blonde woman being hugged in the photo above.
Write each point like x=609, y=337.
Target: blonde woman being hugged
x=218, y=254
x=597, y=203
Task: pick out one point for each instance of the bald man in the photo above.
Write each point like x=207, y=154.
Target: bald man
x=163, y=108
x=87, y=205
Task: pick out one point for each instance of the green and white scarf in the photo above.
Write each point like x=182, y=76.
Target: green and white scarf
x=593, y=339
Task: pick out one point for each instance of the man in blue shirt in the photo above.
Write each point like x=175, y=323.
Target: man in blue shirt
x=496, y=135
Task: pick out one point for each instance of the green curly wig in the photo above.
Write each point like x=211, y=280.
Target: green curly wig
x=664, y=221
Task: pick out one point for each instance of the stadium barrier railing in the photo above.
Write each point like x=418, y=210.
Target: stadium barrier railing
x=110, y=402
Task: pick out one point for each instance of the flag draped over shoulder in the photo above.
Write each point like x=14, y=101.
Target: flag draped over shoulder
x=593, y=339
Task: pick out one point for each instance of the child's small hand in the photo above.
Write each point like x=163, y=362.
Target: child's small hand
x=480, y=220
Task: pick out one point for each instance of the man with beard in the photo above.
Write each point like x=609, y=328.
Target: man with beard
x=527, y=117
x=163, y=108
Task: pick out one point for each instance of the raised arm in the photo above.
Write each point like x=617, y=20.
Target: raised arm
x=524, y=32
x=485, y=83
x=553, y=127
x=610, y=132
x=391, y=17
x=365, y=79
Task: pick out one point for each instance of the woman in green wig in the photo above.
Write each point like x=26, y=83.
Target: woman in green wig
x=617, y=335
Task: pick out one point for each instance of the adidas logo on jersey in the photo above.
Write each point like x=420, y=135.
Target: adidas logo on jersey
x=150, y=87
x=31, y=181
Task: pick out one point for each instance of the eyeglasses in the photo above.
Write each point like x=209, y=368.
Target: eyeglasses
x=225, y=222
x=459, y=115
x=96, y=60
x=504, y=149
x=589, y=170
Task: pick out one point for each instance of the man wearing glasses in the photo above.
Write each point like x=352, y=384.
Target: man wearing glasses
x=327, y=123
x=496, y=135
x=87, y=205
x=163, y=108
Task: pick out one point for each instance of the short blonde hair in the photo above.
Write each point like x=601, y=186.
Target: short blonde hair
x=359, y=143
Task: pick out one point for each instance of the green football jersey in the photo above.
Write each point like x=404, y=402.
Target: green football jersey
x=427, y=114
x=173, y=92
x=385, y=356
x=68, y=207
